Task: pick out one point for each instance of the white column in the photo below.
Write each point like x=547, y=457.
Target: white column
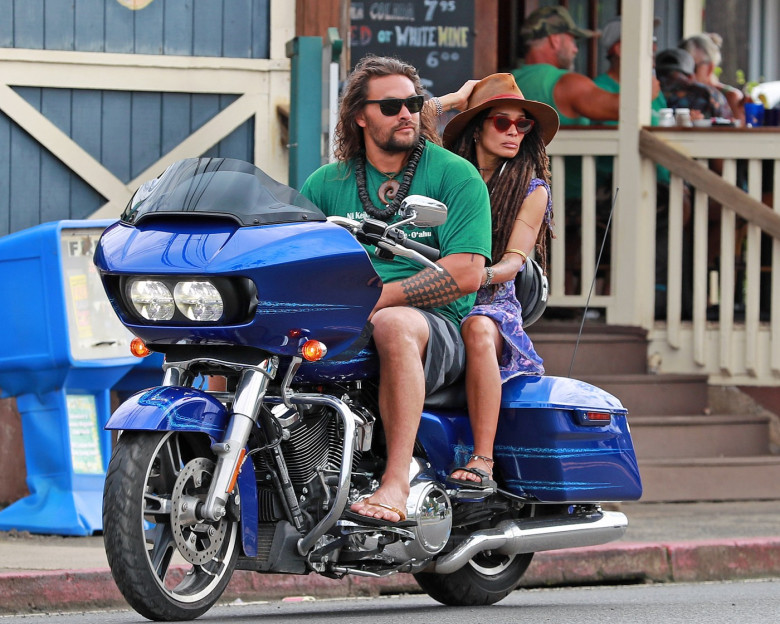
x=634, y=218
x=691, y=18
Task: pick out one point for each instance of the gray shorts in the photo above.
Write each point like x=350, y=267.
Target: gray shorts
x=445, y=358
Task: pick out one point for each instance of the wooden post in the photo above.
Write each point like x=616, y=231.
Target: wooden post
x=692, y=17
x=634, y=217
x=485, y=29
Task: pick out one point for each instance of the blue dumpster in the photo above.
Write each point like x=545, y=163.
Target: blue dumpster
x=64, y=350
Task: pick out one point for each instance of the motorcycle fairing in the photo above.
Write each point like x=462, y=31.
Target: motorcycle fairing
x=347, y=367
x=302, y=292
x=176, y=408
x=545, y=450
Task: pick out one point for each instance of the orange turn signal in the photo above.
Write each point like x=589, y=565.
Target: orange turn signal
x=313, y=350
x=138, y=348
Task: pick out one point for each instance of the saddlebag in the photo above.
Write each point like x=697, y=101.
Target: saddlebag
x=558, y=440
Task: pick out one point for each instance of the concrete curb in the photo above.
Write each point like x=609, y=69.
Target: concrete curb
x=673, y=562
x=710, y=560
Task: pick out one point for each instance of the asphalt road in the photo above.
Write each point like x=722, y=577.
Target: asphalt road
x=754, y=602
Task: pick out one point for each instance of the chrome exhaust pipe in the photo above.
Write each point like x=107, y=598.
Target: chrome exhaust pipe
x=512, y=537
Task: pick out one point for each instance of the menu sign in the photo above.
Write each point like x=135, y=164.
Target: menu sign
x=436, y=36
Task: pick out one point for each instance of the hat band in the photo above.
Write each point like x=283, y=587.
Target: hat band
x=505, y=96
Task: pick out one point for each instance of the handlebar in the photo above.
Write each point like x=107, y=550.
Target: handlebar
x=424, y=250
x=389, y=240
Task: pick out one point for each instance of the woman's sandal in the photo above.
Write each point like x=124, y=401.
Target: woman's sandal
x=485, y=483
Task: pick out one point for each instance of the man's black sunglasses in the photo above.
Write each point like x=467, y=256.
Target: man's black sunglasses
x=392, y=106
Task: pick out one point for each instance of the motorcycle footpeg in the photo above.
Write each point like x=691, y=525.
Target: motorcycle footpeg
x=469, y=495
x=370, y=521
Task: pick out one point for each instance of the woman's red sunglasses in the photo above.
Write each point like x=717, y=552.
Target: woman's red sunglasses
x=502, y=123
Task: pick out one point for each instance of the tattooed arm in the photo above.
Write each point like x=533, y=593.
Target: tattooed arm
x=462, y=275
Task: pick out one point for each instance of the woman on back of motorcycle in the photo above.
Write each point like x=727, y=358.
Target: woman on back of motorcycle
x=504, y=136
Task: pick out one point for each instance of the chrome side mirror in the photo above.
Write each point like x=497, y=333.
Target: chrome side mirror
x=424, y=211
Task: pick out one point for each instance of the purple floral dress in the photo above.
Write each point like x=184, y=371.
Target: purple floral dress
x=519, y=356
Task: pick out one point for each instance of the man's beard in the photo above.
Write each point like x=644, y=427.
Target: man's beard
x=393, y=143
x=565, y=61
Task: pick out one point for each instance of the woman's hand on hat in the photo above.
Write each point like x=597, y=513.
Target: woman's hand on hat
x=459, y=100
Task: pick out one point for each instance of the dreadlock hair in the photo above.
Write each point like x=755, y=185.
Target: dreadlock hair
x=349, y=135
x=508, y=184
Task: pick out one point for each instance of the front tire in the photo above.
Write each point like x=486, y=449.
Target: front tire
x=152, y=476
x=484, y=580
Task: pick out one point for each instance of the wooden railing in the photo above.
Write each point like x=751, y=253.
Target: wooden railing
x=716, y=308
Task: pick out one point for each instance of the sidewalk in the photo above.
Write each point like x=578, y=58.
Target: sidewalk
x=664, y=543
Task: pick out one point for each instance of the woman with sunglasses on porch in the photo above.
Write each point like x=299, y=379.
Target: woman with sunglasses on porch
x=504, y=136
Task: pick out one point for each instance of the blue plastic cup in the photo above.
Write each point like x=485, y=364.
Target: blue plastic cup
x=754, y=114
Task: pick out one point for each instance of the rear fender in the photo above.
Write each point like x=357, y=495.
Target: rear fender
x=173, y=408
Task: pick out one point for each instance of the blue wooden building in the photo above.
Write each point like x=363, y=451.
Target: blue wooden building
x=97, y=96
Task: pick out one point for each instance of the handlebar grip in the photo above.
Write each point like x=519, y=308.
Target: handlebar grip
x=424, y=250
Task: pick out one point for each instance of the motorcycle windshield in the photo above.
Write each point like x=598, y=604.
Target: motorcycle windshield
x=220, y=187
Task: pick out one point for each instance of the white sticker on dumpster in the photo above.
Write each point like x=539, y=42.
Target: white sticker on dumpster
x=84, y=436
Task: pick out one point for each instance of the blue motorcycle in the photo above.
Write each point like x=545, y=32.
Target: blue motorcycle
x=233, y=276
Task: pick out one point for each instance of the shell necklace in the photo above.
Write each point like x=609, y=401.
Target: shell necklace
x=390, y=192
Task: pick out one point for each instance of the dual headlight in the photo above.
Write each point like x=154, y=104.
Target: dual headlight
x=196, y=299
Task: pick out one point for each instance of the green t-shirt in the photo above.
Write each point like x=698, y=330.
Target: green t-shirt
x=537, y=82
x=440, y=175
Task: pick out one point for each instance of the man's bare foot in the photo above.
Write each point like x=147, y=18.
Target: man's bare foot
x=383, y=504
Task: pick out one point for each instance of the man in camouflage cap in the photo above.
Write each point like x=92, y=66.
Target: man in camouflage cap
x=550, y=39
x=552, y=20
x=549, y=36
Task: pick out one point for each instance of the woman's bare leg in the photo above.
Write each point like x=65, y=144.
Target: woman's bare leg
x=483, y=389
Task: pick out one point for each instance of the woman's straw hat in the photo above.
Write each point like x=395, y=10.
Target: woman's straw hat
x=492, y=91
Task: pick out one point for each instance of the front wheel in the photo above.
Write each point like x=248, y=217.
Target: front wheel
x=484, y=580
x=167, y=565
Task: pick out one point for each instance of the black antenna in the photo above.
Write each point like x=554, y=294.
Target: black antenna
x=593, y=282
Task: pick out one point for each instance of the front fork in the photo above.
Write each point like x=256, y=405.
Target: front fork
x=230, y=452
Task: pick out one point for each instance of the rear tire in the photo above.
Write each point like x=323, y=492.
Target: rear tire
x=484, y=580
x=150, y=476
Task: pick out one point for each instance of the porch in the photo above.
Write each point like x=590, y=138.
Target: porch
x=676, y=344
x=721, y=317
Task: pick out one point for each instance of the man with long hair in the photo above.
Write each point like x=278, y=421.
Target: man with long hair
x=387, y=147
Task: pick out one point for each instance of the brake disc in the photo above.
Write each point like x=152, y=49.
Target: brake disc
x=198, y=541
